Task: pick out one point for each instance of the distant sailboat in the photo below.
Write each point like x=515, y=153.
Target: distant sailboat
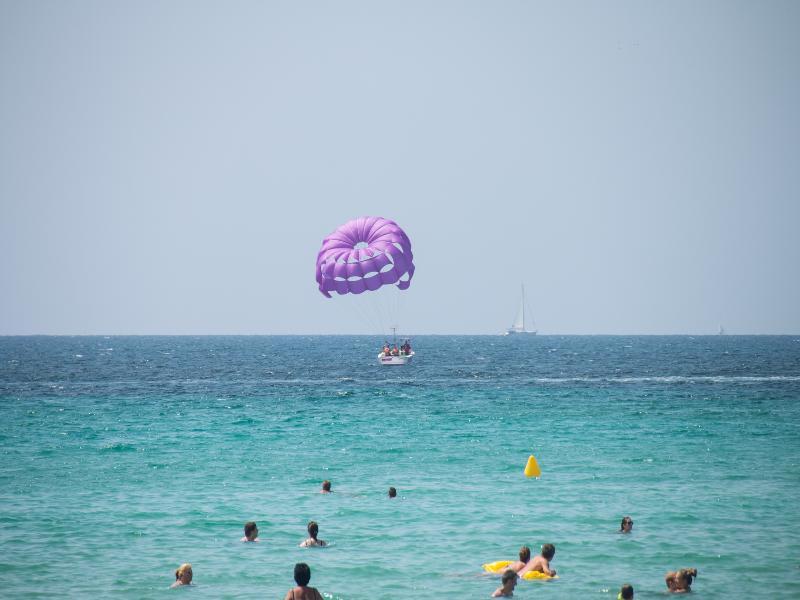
x=522, y=321
x=721, y=330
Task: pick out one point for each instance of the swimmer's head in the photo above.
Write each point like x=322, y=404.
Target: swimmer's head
x=626, y=592
x=524, y=554
x=392, y=492
x=548, y=551
x=326, y=486
x=184, y=574
x=313, y=529
x=509, y=576
x=250, y=530
x=680, y=580
x=302, y=574
x=626, y=524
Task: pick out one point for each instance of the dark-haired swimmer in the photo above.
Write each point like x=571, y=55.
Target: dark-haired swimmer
x=302, y=575
x=313, y=531
x=524, y=557
x=541, y=563
x=392, y=492
x=183, y=575
x=680, y=582
x=250, y=532
x=625, y=592
x=509, y=583
x=626, y=526
x=326, y=487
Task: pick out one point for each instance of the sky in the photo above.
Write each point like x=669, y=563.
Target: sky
x=172, y=167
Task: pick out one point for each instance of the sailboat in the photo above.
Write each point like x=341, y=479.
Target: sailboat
x=522, y=321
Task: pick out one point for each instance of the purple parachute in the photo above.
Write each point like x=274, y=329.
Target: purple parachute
x=364, y=254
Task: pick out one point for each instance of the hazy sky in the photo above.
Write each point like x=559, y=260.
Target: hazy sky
x=172, y=167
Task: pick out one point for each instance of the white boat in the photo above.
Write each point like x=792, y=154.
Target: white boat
x=401, y=358
x=523, y=321
x=721, y=330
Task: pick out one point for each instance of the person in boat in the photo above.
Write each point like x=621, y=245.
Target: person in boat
x=302, y=575
x=386, y=349
x=313, y=532
x=395, y=351
x=183, y=575
x=541, y=563
x=250, y=532
x=626, y=526
x=509, y=583
x=680, y=582
x=406, y=347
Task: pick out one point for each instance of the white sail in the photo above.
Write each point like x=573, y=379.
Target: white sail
x=522, y=322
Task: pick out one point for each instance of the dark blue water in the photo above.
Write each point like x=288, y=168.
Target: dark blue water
x=123, y=457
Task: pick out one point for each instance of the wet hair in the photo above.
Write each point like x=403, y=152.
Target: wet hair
x=392, y=492
x=548, y=551
x=249, y=528
x=302, y=574
x=625, y=520
x=326, y=485
x=524, y=554
x=626, y=592
x=313, y=529
x=509, y=575
x=182, y=569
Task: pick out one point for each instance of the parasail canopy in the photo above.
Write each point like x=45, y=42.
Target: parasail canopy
x=363, y=255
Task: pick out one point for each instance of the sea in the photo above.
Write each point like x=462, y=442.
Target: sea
x=123, y=457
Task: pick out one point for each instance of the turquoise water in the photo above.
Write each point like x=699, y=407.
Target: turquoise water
x=123, y=457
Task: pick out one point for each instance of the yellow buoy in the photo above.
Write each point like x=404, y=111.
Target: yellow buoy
x=532, y=468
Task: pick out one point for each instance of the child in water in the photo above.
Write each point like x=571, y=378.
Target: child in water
x=313, y=531
x=509, y=583
x=250, y=532
x=524, y=557
x=541, y=563
x=680, y=582
x=183, y=575
x=326, y=487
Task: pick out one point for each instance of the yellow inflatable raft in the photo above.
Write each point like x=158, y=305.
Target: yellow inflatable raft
x=500, y=565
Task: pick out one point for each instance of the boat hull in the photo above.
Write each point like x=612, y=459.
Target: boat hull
x=390, y=360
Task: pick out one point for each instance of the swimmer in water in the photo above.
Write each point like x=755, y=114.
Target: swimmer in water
x=626, y=526
x=326, y=487
x=509, y=583
x=625, y=592
x=250, y=532
x=302, y=575
x=313, y=531
x=392, y=492
x=524, y=557
x=680, y=582
x=183, y=575
x=541, y=563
